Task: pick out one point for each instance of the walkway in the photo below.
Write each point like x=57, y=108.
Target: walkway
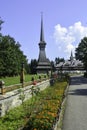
x=75, y=117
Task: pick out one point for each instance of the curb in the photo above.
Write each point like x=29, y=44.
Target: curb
x=59, y=124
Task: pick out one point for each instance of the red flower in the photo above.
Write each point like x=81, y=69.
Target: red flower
x=34, y=83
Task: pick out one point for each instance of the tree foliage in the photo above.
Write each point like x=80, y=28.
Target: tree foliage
x=53, y=65
x=1, y=22
x=11, y=56
x=33, y=66
x=58, y=60
x=81, y=51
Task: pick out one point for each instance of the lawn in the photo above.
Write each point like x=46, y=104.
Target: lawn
x=16, y=80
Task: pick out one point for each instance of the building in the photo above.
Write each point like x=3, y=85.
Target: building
x=43, y=63
x=71, y=65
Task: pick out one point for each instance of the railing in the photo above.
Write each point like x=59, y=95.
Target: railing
x=5, y=89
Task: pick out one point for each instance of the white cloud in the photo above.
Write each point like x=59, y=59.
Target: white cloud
x=68, y=39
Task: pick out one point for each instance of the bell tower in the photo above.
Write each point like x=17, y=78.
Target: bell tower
x=43, y=63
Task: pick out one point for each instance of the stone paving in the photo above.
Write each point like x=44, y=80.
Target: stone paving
x=75, y=117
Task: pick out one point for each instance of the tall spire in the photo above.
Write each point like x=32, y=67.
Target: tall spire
x=71, y=57
x=43, y=62
x=42, y=31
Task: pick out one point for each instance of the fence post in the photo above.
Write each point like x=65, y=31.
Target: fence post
x=3, y=88
x=22, y=75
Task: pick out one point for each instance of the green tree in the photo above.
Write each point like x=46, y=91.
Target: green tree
x=81, y=52
x=11, y=57
x=33, y=66
x=53, y=66
x=58, y=60
x=1, y=22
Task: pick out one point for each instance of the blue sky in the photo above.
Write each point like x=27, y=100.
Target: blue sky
x=65, y=24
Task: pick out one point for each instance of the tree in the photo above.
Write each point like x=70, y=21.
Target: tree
x=33, y=66
x=1, y=22
x=53, y=66
x=58, y=60
x=81, y=52
x=11, y=57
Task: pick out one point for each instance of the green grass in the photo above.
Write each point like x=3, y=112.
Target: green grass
x=16, y=80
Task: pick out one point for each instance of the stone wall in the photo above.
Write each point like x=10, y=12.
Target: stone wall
x=11, y=99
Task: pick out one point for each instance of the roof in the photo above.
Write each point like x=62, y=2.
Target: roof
x=73, y=64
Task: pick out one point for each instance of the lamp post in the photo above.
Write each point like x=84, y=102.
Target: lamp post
x=22, y=74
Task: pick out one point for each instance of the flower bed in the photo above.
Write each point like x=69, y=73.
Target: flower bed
x=39, y=113
x=50, y=104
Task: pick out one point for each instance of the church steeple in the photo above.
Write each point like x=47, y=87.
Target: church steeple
x=43, y=62
x=42, y=42
x=42, y=30
x=71, y=57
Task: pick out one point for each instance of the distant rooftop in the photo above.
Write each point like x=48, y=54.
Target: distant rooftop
x=72, y=63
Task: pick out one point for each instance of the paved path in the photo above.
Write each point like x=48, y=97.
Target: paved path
x=75, y=117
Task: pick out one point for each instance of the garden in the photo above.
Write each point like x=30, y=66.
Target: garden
x=38, y=113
